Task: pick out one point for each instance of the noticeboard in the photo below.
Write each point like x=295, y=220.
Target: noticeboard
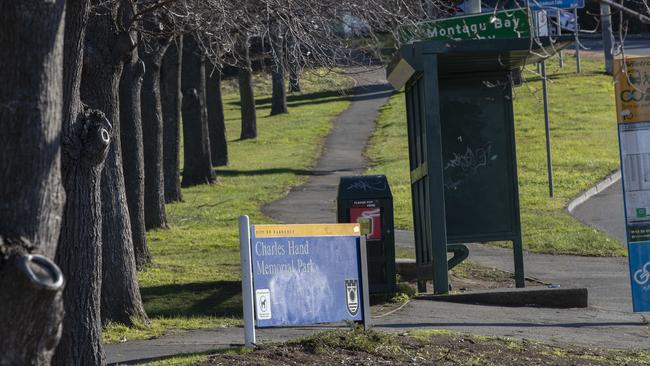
x=303, y=274
x=632, y=90
x=478, y=159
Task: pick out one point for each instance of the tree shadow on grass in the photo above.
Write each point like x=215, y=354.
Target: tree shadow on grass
x=364, y=92
x=219, y=299
x=301, y=99
x=299, y=172
x=237, y=173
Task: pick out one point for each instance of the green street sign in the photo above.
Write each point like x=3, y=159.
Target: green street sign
x=503, y=24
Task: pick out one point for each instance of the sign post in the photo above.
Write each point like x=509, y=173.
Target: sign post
x=632, y=87
x=302, y=274
x=246, y=280
x=576, y=32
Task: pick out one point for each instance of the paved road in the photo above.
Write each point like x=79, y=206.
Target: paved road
x=632, y=46
x=607, y=322
x=604, y=211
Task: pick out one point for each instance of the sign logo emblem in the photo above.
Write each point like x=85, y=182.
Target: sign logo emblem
x=263, y=302
x=352, y=296
x=642, y=275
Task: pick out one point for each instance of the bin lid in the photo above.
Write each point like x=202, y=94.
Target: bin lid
x=473, y=56
x=364, y=187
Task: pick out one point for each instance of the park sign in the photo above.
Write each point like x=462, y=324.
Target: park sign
x=302, y=274
x=502, y=24
x=632, y=87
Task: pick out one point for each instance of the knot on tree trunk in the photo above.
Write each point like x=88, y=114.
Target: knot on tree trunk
x=89, y=138
x=30, y=293
x=39, y=271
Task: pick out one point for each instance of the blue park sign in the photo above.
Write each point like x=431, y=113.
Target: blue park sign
x=303, y=274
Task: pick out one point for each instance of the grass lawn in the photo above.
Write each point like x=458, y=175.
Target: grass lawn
x=584, y=148
x=195, y=281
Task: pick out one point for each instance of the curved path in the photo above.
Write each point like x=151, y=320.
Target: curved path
x=608, y=321
x=315, y=201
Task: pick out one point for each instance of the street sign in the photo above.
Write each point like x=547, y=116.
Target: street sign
x=502, y=24
x=302, y=274
x=557, y=4
x=633, y=116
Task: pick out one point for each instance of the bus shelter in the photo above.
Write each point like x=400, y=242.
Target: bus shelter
x=463, y=164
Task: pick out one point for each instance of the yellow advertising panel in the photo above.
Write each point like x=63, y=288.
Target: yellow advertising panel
x=632, y=80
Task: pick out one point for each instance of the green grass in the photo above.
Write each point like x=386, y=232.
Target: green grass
x=194, y=280
x=584, y=148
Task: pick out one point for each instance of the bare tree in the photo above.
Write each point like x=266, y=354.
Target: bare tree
x=152, y=53
x=216, y=120
x=31, y=195
x=246, y=93
x=279, y=95
x=131, y=137
x=86, y=138
x=197, y=168
x=171, y=96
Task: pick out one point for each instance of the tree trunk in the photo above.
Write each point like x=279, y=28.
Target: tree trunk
x=216, y=121
x=86, y=143
x=133, y=159
x=154, y=180
x=246, y=94
x=31, y=194
x=86, y=136
x=106, y=46
x=294, y=78
x=170, y=90
x=278, y=95
x=197, y=167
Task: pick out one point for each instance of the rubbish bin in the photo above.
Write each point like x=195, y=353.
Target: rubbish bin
x=370, y=197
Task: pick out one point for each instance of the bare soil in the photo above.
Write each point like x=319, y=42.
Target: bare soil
x=440, y=348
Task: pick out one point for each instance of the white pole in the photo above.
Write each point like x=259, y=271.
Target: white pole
x=246, y=281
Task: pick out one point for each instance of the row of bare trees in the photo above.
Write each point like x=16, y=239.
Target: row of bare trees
x=92, y=95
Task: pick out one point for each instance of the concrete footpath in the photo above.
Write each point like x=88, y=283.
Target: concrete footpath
x=607, y=322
